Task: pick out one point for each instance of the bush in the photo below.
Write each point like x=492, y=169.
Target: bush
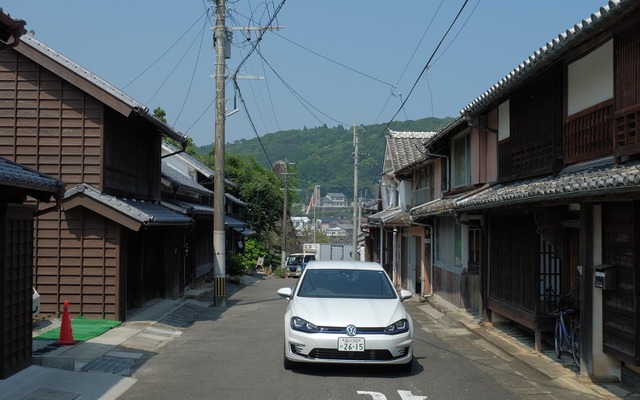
x=240, y=263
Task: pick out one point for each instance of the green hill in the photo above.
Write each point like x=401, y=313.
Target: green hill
x=324, y=156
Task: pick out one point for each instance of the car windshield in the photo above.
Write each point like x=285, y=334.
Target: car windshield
x=294, y=260
x=346, y=283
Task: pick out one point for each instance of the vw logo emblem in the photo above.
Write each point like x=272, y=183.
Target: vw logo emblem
x=351, y=330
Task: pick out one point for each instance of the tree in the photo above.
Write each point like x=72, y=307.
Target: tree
x=259, y=188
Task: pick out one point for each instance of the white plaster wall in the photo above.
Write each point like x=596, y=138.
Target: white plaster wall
x=590, y=79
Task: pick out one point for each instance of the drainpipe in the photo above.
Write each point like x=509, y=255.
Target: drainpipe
x=381, y=255
x=395, y=255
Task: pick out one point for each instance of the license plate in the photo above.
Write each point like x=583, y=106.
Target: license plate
x=350, y=344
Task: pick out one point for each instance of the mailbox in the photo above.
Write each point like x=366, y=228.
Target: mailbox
x=605, y=277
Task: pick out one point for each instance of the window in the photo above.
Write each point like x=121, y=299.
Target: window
x=448, y=243
x=460, y=162
x=423, y=187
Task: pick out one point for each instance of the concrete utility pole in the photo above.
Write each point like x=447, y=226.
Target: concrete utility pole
x=285, y=223
x=355, y=192
x=219, y=267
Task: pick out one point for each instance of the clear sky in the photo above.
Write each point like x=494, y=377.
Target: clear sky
x=334, y=61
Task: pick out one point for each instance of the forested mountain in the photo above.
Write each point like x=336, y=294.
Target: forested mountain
x=324, y=156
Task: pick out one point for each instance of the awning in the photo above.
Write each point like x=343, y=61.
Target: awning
x=391, y=217
x=244, y=231
x=600, y=180
x=187, y=207
x=127, y=212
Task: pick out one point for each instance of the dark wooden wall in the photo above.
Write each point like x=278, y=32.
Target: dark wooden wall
x=16, y=237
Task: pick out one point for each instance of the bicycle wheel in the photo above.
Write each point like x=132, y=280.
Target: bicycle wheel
x=557, y=338
x=575, y=344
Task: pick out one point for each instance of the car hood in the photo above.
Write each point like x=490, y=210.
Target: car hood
x=343, y=312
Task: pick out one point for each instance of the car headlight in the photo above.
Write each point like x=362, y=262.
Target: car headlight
x=400, y=326
x=299, y=324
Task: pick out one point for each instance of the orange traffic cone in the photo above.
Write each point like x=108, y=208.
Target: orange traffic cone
x=66, y=333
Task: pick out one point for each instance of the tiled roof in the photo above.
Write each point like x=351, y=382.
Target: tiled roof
x=550, y=52
x=17, y=175
x=234, y=199
x=189, y=208
x=598, y=180
x=197, y=165
x=391, y=217
x=404, y=148
x=232, y=222
x=178, y=178
x=434, y=207
x=147, y=213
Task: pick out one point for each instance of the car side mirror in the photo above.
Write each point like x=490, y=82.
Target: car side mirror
x=405, y=294
x=285, y=292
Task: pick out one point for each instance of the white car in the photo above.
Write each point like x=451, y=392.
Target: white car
x=346, y=312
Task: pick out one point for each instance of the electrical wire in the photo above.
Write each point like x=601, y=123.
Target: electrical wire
x=193, y=74
x=299, y=97
x=255, y=45
x=410, y=59
x=246, y=110
x=335, y=62
x=426, y=67
x=172, y=71
x=165, y=53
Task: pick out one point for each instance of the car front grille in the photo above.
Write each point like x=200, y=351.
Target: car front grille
x=367, y=355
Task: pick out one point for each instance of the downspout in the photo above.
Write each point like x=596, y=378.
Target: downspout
x=381, y=255
x=395, y=255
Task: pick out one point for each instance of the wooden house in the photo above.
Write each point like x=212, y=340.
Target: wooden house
x=396, y=243
x=19, y=188
x=187, y=187
x=560, y=214
x=112, y=246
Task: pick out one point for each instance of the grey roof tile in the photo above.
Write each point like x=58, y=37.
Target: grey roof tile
x=178, y=178
x=599, y=180
x=550, y=52
x=17, y=175
x=403, y=148
x=148, y=213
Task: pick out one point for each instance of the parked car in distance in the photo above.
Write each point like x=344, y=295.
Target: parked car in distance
x=296, y=262
x=346, y=312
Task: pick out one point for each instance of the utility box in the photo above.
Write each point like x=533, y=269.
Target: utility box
x=605, y=277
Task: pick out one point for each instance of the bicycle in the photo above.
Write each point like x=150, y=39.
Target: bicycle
x=565, y=338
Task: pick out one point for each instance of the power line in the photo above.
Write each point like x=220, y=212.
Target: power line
x=165, y=53
x=410, y=59
x=193, y=74
x=246, y=110
x=298, y=97
x=426, y=67
x=255, y=45
x=336, y=62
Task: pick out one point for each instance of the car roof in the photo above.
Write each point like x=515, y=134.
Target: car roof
x=344, y=264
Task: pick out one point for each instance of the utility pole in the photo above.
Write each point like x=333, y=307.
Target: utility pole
x=285, y=172
x=355, y=192
x=219, y=267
